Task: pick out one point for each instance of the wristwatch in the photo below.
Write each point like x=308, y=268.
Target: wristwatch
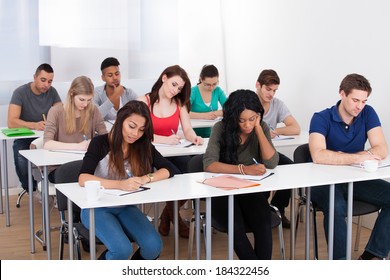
x=150, y=176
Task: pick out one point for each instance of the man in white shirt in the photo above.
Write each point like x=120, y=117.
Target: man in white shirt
x=111, y=96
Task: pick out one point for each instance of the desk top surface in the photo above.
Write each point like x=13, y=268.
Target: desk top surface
x=38, y=133
x=42, y=157
x=187, y=186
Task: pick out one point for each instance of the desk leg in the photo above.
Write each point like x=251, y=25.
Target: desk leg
x=331, y=221
x=31, y=207
x=208, y=228
x=197, y=227
x=292, y=225
x=176, y=228
x=349, y=221
x=4, y=183
x=45, y=199
x=307, y=228
x=3, y=162
x=92, y=241
x=70, y=228
x=155, y=219
x=231, y=226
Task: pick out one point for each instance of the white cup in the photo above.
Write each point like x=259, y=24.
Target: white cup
x=93, y=190
x=370, y=165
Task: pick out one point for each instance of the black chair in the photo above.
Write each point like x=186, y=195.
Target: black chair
x=69, y=173
x=196, y=165
x=360, y=208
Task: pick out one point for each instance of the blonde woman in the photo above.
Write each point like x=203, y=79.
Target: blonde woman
x=72, y=125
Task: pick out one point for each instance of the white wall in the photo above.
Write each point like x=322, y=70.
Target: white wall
x=311, y=44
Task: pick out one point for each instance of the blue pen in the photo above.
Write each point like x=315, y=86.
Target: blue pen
x=255, y=161
x=85, y=137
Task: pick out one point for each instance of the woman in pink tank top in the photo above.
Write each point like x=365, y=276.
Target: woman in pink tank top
x=169, y=104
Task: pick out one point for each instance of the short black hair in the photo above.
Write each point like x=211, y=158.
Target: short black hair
x=109, y=61
x=44, y=67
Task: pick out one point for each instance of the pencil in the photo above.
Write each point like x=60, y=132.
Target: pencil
x=44, y=117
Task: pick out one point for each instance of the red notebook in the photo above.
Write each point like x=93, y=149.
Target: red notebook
x=229, y=182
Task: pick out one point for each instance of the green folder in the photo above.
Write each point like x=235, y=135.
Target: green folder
x=21, y=131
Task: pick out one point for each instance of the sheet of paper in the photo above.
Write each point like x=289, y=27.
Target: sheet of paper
x=184, y=143
x=383, y=163
x=68, y=151
x=122, y=193
x=282, y=137
x=252, y=177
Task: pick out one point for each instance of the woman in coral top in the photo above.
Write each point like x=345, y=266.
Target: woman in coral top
x=169, y=105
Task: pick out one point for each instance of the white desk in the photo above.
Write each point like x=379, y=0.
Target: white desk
x=185, y=186
x=44, y=158
x=199, y=123
x=167, y=151
x=180, y=187
x=297, y=140
x=4, y=170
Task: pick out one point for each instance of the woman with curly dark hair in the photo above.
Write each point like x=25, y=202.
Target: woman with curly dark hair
x=234, y=142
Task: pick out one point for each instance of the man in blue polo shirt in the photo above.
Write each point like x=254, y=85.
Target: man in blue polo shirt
x=338, y=136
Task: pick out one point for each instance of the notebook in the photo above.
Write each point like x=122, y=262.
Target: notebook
x=228, y=182
x=21, y=131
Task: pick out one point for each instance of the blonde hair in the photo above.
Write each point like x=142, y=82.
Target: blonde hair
x=80, y=85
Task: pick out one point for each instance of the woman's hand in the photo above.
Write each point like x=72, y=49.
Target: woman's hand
x=131, y=184
x=173, y=139
x=258, y=119
x=209, y=116
x=254, y=169
x=198, y=140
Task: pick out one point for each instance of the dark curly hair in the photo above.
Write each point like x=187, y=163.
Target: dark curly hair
x=237, y=102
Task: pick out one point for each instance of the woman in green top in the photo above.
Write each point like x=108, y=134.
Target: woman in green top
x=205, y=97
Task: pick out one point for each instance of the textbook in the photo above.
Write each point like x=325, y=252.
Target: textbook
x=21, y=131
x=228, y=182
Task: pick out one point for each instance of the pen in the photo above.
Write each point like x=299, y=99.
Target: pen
x=44, y=117
x=273, y=130
x=173, y=132
x=85, y=137
x=255, y=161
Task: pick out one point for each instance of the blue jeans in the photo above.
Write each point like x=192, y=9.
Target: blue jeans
x=117, y=227
x=21, y=163
x=376, y=192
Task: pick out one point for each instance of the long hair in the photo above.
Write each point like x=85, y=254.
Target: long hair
x=139, y=154
x=183, y=98
x=80, y=85
x=237, y=102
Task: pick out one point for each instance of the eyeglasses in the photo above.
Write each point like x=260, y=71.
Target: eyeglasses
x=210, y=85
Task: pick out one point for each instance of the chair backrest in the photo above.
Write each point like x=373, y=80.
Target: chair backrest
x=302, y=154
x=37, y=143
x=67, y=173
x=196, y=164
